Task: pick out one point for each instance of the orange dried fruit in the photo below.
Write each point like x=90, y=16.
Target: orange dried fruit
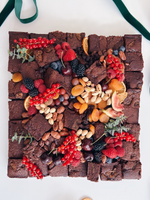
x=92, y=128
x=117, y=86
x=102, y=104
x=17, y=77
x=95, y=115
x=122, y=96
x=82, y=82
x=85, y=45
x=80, y=99
x=90, y=118
x=83, y=108
x=77, y=105
x=56, y=96
x=77, y=90
x=27, y=102
x=103, y=118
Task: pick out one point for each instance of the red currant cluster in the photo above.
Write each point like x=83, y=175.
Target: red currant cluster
x=117, y=67
x=69, y=149
x=48, y=94
x=35, y=171
x=34, y=43
x=124, y=136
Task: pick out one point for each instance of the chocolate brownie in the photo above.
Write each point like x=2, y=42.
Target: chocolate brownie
x=36, y=35
x=99, y=130
x=16, y=148
x=134, y=129
x=97, y=44
x=42, y=167
x=58, y=35
x=111, y=172
x=134, y=61
x=93, y=171
x=115, y=42
x=132, y=151
x=132, y=114
x=16, y=108
x=133, y=43
x=75, y=39
x=131, y=170
x=16, y=169
x=96, y=72
x=79, y=171
x=134, y=80
x=14, y=91
x=59, y=171
x=38, y=122
x=133, y=98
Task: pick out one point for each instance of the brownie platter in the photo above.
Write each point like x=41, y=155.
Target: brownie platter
x=74, y=106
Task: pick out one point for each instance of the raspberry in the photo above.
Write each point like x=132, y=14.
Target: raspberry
x=42, y=88
x=111, y=73
x=57, y=47
x=119, y=143
x=77, y=155
x=24, y=89
x=38, y=82
x=65, y=46
x=111, y=152
x=75, y=162
x=109, y=140
x=32, y=110
x=108, y=146
x=120, y=151
x=60, y=53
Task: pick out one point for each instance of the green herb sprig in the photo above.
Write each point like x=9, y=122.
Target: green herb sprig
x=20, y=137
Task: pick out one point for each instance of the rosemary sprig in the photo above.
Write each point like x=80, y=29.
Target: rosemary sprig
x=116, y=125
x=19, y=138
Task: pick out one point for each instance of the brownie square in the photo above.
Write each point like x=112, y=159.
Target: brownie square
x=59, y=170
x=38, y=122
x=16, y=148
x=36, y=35
x=93, y=171
x=16, y=108
x=96, y=72
x=133, y=98
x=99, y=130
x=14, y=65
x=134, y=80
x=111, y=172
x=58, y=35
x=133, y=43
x=132, y=114
x=134, y=129
x=134, y=61
x=42, y=167
x=14, y=91
x=131, y=170
x=132, y=151
x=75, y=39
x=79, y=171
x=115, y=42
x=16, y=169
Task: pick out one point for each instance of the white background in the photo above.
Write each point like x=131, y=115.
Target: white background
x=91, y=16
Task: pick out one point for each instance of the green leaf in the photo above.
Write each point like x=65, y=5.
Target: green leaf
x=31, y=58
x=18, y=50
x=10, y=53
x=24, y=59
x=23, y=50
x=19, y=56
x=18, y=47
x=15, y=137
x=20, y=138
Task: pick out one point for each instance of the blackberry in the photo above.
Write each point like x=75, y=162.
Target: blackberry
x=80, y=70
x=33, y=92
x=74, y=64
x=98, y=156
x=98, y=146
x=29, y=83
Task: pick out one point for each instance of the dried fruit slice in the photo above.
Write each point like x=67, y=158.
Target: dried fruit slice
x=92, y=128
x=95, y=115
x=82, y=82
x=77, y=90
x=122, y=96
x=117, y=86
x=90, y=118
x=83, y=108
x=112, y=113
x=27, y=102
x=104, y=118
x=116, y=105
x=85, y=45
x=56, y=96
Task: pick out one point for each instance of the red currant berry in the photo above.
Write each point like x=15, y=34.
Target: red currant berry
x=117, y=71
x=30, y=47
x=120, y=66
x=47, y=41
x=34, y=167
x=133, y=140
x=57, y=85
x=15, y=41
x=127, y=133
x=115, y=139
x=27, y=46
x=73, y=132
x=109, y=56
x=115, y=134
x=53, y=85
x=54, y=39
x=39, y=39
x=42, y=41
x=51, y=42
x=20, y=39
x=58, y=90
x=39, y=46
x=44, y=45
x=112, y=65
x=117, y=76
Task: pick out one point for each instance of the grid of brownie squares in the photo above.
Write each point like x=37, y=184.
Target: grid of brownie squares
x=129, y=166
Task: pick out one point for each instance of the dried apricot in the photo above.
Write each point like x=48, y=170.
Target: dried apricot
x=117, y=86
x=80, y=99
x=90, y=118
x=17, y=77
x=82, y=82
x=92, y=128
x=95, y=115
x=56, y=96
x=77, y=105
x=102, y=104
x=83, y=108
x=77, y=90
x=104, y=118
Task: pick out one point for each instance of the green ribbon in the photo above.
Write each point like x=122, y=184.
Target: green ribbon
x=17, y=4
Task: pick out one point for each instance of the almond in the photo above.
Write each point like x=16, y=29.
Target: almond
x=55, y=134
x=46, y=136
x=60, y=109
x=60, y=125
x=59, y=117
x=54, y=116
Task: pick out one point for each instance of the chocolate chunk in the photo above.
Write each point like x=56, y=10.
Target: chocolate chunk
x=16, y=108
x=115, y=42
x=58, y=35
x=131, y=170
x=96, y=72
x=111, y=172
x=38, y=122
x=99, y=130
x=93, y=171
x=14, y=91
x=79, y=171
x=133, y=43
x=94, y=44
x=16, y=169
x=134, y=80
x=132, y=114
x=134, y=61
x=133, y=98
x=59, y=171
x=75, y=39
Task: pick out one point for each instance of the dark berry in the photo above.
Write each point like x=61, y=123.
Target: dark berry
x=46, y=159
x=33, y=92
x=72, y=97
x=98, y=156
x=74, y=63
x=115, y=159
x=109, y=160
x=115, y=52
x=29, y=83
x=88, y=156
x=57, y=160
x=80, y=70
x=61, y=98
x=59, y=66
x=98, y=146
x=54, y=65
x=122, y=48
x=87, y=145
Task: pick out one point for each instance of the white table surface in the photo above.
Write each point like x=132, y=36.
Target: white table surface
x=91, y=16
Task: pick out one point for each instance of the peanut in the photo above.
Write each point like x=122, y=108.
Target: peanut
x=48, y=116
x=46, y=136
x=79, y=148
x=85, y=79
x=60, y=109
x=78, y=143
x=84, y=132
x=89, y=134
x=43, y=105
x=82, y=137
x=104, y=158
x=47, y=110
x=42, y=110
x=52, y=110
x=79, y=132
x=55, y=134
x=51, y=121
